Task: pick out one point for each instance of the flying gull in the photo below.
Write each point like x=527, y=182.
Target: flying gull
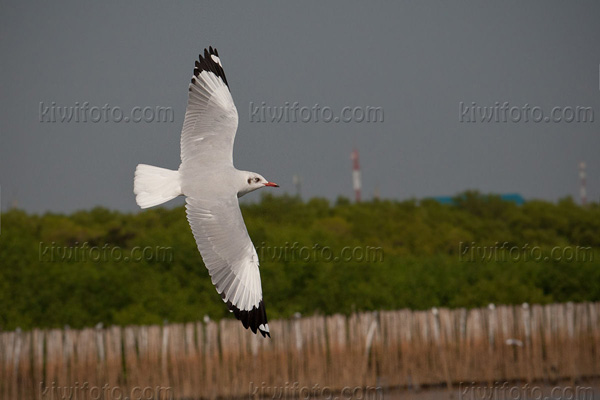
x=212, y=186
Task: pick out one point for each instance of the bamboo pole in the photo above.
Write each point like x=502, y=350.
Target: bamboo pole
x=389, y=348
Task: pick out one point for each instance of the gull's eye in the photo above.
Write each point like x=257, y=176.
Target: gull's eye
x=256, y=180
x=249, y=181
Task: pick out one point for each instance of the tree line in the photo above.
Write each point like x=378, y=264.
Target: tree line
x=115, y=268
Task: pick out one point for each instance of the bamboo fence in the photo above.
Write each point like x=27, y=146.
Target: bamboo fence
x=389, y=349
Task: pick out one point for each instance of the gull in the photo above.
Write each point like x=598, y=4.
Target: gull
x=211, y=186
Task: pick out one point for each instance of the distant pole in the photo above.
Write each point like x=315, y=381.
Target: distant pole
x=376, y=193
x=582, y=188
x=298, y=184
x=356, y=175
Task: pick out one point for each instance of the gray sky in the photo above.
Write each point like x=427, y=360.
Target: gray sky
x=417, y=61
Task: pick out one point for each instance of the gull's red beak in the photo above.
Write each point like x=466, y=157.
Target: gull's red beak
x=271, y=184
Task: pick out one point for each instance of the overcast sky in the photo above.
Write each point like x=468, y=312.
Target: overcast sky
x=415, y=61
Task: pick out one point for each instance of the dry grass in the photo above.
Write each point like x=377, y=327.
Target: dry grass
x=390, y=348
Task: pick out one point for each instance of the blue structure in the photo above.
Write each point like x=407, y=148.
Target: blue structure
x=511, y=197
x=514, y=198
x=443, y=200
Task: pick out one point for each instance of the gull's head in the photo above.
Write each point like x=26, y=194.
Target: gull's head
x=253, y=181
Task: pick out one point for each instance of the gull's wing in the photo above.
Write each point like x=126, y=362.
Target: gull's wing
x=211, y=118
x=230, y=257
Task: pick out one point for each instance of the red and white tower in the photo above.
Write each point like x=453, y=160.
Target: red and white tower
x=356, y=174
x=582, y=188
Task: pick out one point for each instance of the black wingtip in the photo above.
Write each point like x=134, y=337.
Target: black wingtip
x=255, y=319
x=208, y=63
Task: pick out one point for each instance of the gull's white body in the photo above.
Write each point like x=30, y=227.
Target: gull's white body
x=212, y=186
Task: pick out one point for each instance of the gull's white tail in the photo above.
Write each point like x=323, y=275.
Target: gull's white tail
x=153, y=185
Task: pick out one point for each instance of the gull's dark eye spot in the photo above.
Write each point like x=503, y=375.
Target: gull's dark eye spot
x=249, y=181
x=256, y=179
